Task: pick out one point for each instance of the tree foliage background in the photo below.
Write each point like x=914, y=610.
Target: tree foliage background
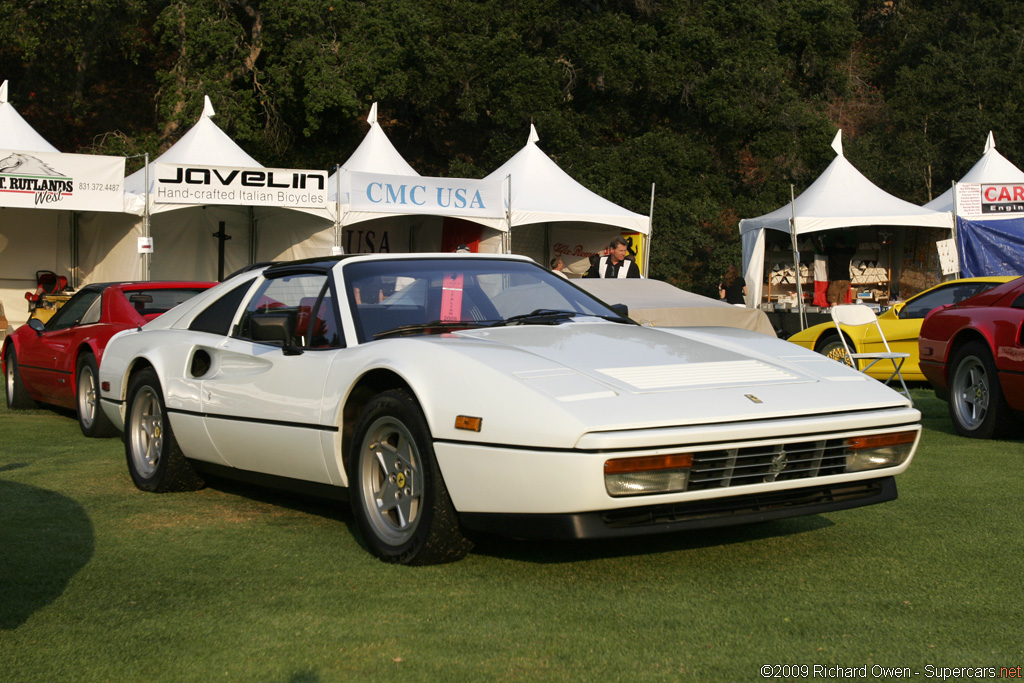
x=721, y=104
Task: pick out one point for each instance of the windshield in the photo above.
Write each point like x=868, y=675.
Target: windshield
x=418, y=296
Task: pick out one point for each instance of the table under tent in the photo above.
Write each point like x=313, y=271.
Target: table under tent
x=895, y=256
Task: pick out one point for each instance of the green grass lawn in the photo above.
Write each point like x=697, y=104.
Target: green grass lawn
x=99, y=581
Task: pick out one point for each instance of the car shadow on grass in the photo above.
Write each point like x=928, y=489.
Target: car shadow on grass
x=554, y=552
x=541, y=552
x=46, y=538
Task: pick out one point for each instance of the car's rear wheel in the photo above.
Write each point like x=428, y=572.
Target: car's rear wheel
x=398, y=495
x=17, y=394
x=976, y=403
x=155, y=461
x=92, y=420
x=832, y=346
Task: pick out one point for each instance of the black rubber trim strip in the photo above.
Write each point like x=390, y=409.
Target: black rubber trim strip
x=255, y=420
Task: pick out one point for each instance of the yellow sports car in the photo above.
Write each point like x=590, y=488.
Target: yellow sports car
x=901, y=326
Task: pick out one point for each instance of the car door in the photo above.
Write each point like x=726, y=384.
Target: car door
x=263, y=403
x=43, y=363
x=903, y=331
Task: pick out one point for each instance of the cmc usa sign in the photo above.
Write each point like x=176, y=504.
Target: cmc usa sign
x=458, y=197
x=51, y=180
x=194, y=184
x=977, y=199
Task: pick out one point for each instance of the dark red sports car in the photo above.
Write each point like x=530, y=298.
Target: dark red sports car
x=56, y=362
x=973, y=354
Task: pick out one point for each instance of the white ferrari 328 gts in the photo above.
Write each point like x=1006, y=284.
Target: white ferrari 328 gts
x=443, y=394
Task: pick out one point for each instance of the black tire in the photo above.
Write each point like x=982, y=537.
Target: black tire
x=155, y=461
x=392, y=459
x=17, y=394
x=93, y=422
x=976, y=403
x=832, y=346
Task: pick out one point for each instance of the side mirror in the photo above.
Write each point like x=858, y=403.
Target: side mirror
x=275, y=328
x=37, y=325
x=621, y=309
x=897, y=308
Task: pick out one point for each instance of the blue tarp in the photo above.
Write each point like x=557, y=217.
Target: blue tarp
x=990, y=247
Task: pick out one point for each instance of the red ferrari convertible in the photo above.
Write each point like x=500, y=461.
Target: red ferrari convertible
x=973, y=354
x=56, y=362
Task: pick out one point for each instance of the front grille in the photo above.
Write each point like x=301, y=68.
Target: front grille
x=728, y=467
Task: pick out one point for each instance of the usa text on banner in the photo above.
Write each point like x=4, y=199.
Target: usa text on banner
x=458, y=197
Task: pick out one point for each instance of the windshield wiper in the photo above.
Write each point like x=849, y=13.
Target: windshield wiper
x=540, y=316
x=435, y=327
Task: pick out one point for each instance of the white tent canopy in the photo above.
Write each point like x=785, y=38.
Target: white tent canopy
x=552, y=212
x=544, y=193
x=30, y=240
x=376, y=159
x=841, y=197
x=185, y=236
x=992, y=167
x=15, y=133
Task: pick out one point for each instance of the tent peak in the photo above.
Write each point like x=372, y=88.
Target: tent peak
x=371, y=118
x=3, y=93
x=534, y=138
x=990, y=143
x=208, y=111
x=837, y=142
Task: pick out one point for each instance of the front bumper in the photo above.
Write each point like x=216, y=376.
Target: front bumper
x=673, y=517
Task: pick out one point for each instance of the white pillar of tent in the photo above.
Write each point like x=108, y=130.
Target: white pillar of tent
x=253, y=237
x=507, y=238
x=337, y=212
x=650, y=234
x=796, y=261
x=956, y=243
x=146, y=255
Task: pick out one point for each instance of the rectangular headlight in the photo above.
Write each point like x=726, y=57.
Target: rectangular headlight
x=647, y=475
x=875, y=451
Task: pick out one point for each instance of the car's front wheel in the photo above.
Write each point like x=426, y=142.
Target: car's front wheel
x=398, y=495
x=976, y=402
x=17, y=394
x=832, y=346
x=155, y=461
x=92, y=420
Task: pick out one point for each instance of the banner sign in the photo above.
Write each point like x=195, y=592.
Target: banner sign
x=460, y=197
x=51, y=180
x=195, y=184
x=1000, y=199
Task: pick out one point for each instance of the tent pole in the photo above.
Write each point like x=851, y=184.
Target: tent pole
x=956, y=245
x=507, y=240
x=337, y=210
x=796, y=260
x=146, y=256
x=650, y=233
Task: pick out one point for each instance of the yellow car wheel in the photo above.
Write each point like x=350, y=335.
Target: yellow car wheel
x=833, y=348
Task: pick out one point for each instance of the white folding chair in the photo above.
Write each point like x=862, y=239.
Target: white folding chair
x=857, y=315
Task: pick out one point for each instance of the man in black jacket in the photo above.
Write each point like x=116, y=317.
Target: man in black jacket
x=615, y=264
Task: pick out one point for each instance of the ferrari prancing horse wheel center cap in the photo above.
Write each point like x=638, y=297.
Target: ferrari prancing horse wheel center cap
x=400, y=480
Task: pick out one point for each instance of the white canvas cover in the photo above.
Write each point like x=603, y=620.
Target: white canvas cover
x=652, y=302
x=184, y=244
x=546, y=202
x=841, y=197
x=30, y=240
